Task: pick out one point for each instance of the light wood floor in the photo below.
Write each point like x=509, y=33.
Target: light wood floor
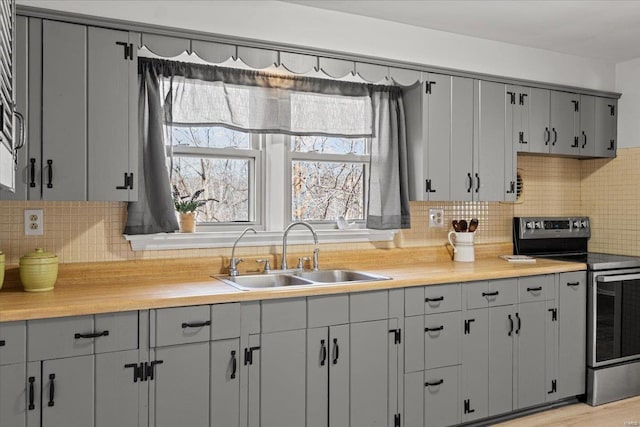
x=623, y=413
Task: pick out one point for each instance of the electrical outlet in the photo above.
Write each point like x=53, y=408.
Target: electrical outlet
x=33, y=222
x=436, y=218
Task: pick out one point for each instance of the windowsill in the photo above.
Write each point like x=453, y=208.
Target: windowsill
x=225, y=239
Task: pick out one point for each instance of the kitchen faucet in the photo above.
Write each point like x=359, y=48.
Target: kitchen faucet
x=283, y=266
x=233, y=263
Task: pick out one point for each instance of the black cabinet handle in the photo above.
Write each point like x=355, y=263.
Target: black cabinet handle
x=573, y=283
x=470, y=182
x=547, y=136
x=436, y=329
x=512, y=97
x=612, y=109
x=151, y=369
x=136, y=371
x=575, y=142
x=554, y=314
x=429, y=189
x=50, y=174
x=323, y=353
x=52, y=390
x=510, y=325
x=126, y=183
x=467, y=407
x=554, y=387
x=519, y=324
x=611, y=145
x=2, y=343
x=522, y=97
x=490, y=294
x=477, y=182
x=467, y=326
x=234, y=365
x=336, y=351
x=92, y=335
x=32, y=172
x=555, y=136
x=521, y=138
x=196, y=324
x=584, y=144
x=434, y=299
x=32, y=393
x=433, y=384
x=538, y=289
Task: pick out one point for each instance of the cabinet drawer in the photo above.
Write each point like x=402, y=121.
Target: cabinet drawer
x=536, y=288
x=432, y=299
x=122, y=329
x=182, y=325
x=225, y=321
x=442, y=340
x=490, y=293
x=13, y=342
x=365, y=306
x=56, y=338
x=327, y=310
x=284, y=314
x=441, y=401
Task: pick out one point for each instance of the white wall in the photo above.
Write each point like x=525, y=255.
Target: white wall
x=628, y=83
x=300, y=25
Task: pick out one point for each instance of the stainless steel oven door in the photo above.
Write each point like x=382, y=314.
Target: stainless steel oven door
x=613, y=317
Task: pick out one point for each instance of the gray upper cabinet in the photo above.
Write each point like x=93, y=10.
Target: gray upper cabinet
x=461, y=147
x=606, y=127
x=565, y=121
x=518, y=100
x=112, y=116
x=540, y=135
x=64, y=112
x=7, y=64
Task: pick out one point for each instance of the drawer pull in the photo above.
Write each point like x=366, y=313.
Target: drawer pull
x=433, y=384
x=336, y=351
x=52, y=390
x=234, y=365
x=92, y=335
x=196, y=324
x=434, y=299
x=490, y=294
x=573, y=283
x=32, y=393
x=2, y=343
x=538, y=289
x=436, y=329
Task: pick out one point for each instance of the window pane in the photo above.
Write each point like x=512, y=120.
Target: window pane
x=226, y=180
x=322, y=191
x=328, y=145
x=211, y=137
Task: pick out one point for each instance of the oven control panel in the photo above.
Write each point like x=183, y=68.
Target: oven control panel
x=544, y=227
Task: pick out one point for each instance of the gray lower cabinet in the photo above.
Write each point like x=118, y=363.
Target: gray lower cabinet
x=531, y=354
x=12, y=395
x=225, y=383
x=475, y=364
x=431, y=398
x=117, y=389
x=572, y=315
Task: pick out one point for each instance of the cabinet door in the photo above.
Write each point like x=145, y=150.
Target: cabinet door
x=493, y=151
x=606, y=127
x=438, y=108
x=68, y=392
x=551, y=349
x=112, y=116
x=564, y=123
x=441, y=399
x=442, y=340
x=13, y=395
x=369, y=373
x=180, y=394
x=7, y=171
x=225, y=383
x=117, y=389
x=64, y=111
x=540, y=135
x=282, y=378
x=318, y=360
x=520, y=135
x=461, y=166
x=572, y=318
x=338, y=376
x=501, y=332
x=587, y=135
x=531, y=363
x=475, y=360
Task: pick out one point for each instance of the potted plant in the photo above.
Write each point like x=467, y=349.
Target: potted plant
x=187, y=206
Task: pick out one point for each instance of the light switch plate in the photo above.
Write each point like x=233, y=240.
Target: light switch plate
x=436, y=218
x=33, y=224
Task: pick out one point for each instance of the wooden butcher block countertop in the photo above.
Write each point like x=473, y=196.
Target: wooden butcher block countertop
x=93, y=288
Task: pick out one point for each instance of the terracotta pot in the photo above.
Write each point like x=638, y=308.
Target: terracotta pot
x=187, y=222
x=38, y=271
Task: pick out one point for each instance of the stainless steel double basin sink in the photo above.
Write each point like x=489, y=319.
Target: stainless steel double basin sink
x=299, y=278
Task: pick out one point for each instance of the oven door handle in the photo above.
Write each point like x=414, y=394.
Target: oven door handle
x=617, y=278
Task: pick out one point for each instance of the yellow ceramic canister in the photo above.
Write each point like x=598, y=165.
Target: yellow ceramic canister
x=38, y=271
x=1, y=269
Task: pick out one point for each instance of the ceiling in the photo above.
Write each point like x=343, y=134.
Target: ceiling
x=606, y=30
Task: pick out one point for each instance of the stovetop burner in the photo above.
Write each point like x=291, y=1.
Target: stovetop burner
x=599, y=261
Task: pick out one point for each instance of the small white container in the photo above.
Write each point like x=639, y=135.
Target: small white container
x=463, y=247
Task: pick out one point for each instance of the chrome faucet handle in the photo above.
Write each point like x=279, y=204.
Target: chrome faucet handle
x=267, y=265
x=301, y=261
x=233, y=266
x=316, y=252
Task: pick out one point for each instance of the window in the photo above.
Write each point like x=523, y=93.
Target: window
x=328, y=178
x=222, y=162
